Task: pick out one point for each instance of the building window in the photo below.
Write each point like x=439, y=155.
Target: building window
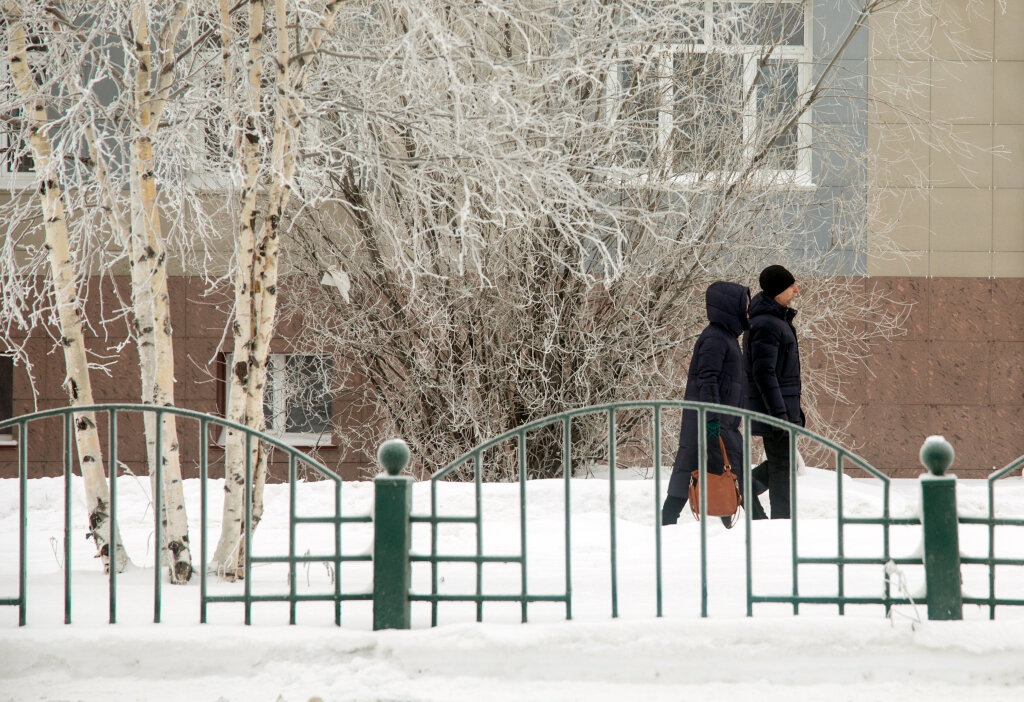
x=297, y=398
x=6, y=395
x=17, y=167
x=16, y=164
x=15, y=156
x=297, y=401
x=722, y=95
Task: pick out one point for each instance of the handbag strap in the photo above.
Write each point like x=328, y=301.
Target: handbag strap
x=727, y=470
x=726, y=466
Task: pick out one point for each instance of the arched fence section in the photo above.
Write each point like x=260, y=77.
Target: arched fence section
x=207, y=427
x=516, y=441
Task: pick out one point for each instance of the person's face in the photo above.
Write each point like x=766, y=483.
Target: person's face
x=786, y=296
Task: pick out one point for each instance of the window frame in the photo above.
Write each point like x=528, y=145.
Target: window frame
x=276, y=428
x=13, y=180
x=7, y=437
x=204, y=174
x=663, y=56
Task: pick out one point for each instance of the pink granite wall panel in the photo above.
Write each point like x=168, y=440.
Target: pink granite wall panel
x=958, y=372
x=199, y=321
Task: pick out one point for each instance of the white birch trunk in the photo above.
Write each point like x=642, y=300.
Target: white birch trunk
x=76, y=383
x=149, y=290
x=256, y=297
x=288, y=108
x=266, y=265
x=226, y=557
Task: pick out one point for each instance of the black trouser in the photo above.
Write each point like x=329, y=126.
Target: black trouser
x=774, y=472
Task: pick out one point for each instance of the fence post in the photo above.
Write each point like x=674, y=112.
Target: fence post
x=941, y=540
x=391, y=538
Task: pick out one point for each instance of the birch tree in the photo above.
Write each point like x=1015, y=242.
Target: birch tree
x=149, y=274
x=534, y=196
x=109, y=82
x=64, y=291
x=144, y=242
x=258, y=240
x=144, y=94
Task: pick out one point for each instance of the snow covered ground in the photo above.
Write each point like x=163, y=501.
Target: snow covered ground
x=771, y=656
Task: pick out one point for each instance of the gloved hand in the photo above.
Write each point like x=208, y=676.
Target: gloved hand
x=714, y=428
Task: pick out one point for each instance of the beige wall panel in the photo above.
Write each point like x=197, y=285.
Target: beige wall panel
x=899, y=33
x=1008, y=264
x=914, y=264
x=900, y=90
x=1009, y=32
x=896, y=157
x=975, y=213
x=969, y=164
x=962, y=92
x=1008, y=82
x=1008, y=169
x=964, y=29
x=903, y=213
x=1008, y=219
x=970, y=264
x=961, y=220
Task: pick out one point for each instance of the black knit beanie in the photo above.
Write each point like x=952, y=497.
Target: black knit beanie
x=775, y=279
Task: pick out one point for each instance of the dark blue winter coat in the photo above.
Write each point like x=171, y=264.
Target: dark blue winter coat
x=772, y=363
x=715, y=375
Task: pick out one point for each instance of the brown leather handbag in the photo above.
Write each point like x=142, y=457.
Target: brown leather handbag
x=723, y=493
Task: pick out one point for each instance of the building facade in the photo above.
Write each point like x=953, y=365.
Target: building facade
x=951, y=203
x=959, y=216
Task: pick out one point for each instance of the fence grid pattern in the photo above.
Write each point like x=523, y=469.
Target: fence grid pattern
x=474, y=458
x=516, y=441
x=111, y=413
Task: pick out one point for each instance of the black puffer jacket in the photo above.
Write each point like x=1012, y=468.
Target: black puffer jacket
x=773, y=363
x=715, y=375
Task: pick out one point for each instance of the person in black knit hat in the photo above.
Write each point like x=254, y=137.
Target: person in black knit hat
x=772, y=359
x=776, y=279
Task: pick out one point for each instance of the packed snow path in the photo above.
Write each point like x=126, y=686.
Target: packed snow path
x=772, y=656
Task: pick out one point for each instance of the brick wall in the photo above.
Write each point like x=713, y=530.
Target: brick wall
x=958, y=372
x=199, y=322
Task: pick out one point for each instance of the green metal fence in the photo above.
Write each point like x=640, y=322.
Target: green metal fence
x=474, y=459
x=393, y=554
x=110, y=416
x=991, y=561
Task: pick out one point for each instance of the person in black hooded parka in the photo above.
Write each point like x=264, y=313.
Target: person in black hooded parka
x=716, y=375
x=772, y=356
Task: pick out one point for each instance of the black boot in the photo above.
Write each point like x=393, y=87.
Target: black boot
x=671, y=510
x=759, y=474
x=756, y=510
